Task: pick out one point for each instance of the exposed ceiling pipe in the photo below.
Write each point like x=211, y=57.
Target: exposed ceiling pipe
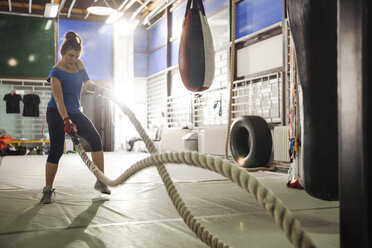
x=130, y=4
x=71, y=6
x=18, y=14
x=122, y=5
x=61, y=6
x=10, y=5
x=157, y=10
x=86, y=16
x=108, y=5
x=30, y=6
x=139, y=10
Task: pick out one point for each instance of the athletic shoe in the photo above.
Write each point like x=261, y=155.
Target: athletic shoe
x=99, y=186
x=47, y=195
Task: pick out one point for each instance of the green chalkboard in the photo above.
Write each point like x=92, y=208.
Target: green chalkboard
x=26, y=46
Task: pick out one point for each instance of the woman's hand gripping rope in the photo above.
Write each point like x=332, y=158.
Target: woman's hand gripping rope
x=69, y=126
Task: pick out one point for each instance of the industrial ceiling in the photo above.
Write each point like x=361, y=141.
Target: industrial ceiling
x=77, y=9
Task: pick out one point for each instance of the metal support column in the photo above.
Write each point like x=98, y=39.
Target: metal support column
x=355, y=121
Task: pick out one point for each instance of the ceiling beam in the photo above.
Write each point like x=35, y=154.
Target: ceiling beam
x=115, y=5
x=129, y=4
x=40, y=7
x=154, y=6
x=134, y=15
x=122, y=5
x=19, y=5
x=76, y=11
x=158, y=10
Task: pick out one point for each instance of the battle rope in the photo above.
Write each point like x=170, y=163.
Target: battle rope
x=281, y=215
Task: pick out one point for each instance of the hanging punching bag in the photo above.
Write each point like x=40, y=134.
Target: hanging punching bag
x=313, y=25
x=196, y=52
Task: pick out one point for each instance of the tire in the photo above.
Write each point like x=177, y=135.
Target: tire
x=250, y=141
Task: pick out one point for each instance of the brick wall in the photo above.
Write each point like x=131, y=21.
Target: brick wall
x=16, y=125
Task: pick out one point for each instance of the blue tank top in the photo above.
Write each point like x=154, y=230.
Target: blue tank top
x=71, y=86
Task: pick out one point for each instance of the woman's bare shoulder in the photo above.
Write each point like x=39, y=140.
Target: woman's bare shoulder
x=58, y=65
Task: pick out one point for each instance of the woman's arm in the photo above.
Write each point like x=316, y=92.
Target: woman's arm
x=58, y=97
x=87, y=85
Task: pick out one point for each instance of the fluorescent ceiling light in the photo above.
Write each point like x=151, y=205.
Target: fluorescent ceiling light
x=114, y=17
x=48, y=24
x=98, y=10
x=30, y=6
x=51, y=10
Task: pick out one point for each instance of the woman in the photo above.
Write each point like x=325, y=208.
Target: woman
x=63, y=113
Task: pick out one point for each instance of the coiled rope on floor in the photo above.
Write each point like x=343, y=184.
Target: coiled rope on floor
x=274, y=206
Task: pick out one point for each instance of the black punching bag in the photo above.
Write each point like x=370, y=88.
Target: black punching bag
x=313, y=25
x=196, y=52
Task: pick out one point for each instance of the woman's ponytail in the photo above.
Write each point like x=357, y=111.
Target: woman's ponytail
x=71, y=41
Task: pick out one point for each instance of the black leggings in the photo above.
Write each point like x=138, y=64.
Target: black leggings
x=85, y=129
